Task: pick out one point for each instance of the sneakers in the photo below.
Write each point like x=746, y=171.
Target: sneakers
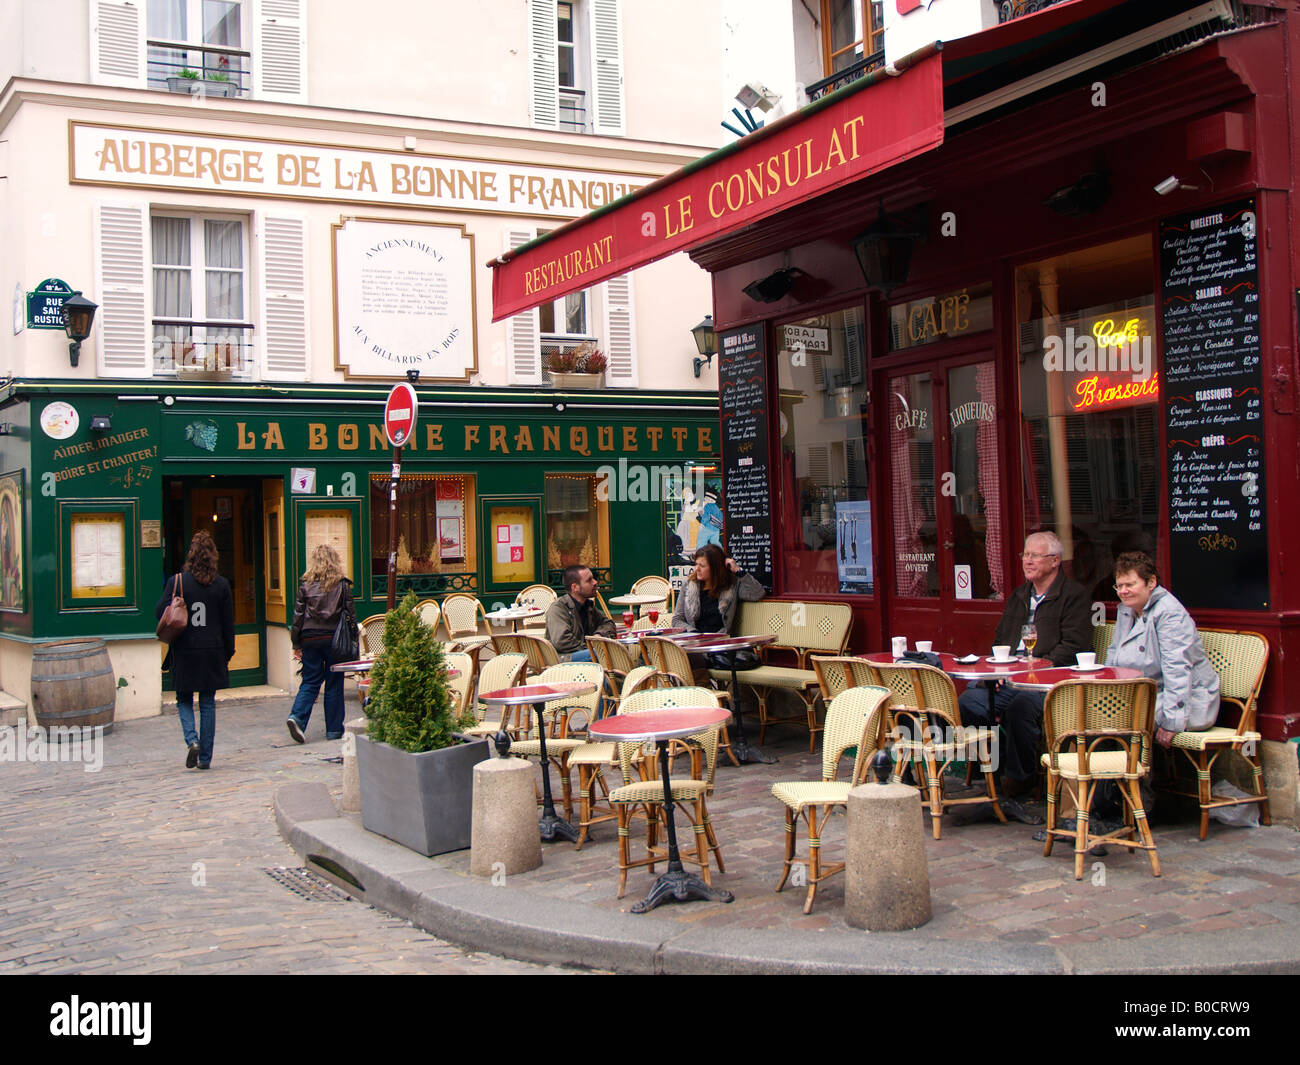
x=295, y=730
x=192, y=758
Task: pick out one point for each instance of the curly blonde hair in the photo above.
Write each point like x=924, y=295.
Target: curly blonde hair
x=326, y=567
x=202, y=559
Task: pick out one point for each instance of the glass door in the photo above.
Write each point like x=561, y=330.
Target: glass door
x=946, y=505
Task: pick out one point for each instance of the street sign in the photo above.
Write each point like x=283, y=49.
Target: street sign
x=45, y=305
x=399, y=414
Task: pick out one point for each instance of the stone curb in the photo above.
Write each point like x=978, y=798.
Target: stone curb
x=517, y=923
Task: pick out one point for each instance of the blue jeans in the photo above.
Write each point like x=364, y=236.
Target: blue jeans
x=581, y=656
x=207, y=721
x=316, y=662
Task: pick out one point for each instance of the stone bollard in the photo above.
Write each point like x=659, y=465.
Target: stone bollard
x=504, y=836
x=351, y=779
x=887, y=880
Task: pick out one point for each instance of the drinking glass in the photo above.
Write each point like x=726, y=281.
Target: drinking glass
x=628, y=618
x=653, y=614
x=1029, y=634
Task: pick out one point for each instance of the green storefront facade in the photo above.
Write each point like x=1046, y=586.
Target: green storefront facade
x=102, y=485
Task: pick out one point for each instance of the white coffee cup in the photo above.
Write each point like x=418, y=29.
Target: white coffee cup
x=1002, y=652
x=1087, y=659
x=925, y=645
x=899, y=646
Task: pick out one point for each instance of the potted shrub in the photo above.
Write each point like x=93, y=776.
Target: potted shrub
x=417, y=779
x=583, y=367
x=193, y=83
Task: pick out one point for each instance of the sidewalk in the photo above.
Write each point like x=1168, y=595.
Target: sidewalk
x=1229, y=904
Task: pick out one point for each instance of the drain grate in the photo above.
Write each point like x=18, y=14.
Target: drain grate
x=311, y=886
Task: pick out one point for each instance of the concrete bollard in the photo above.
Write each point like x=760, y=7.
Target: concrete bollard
x=887, y=880
x=503, y=835
x=351, y=779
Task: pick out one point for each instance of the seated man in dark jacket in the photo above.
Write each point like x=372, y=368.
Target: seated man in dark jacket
x=575, y=616
x=1060, y=611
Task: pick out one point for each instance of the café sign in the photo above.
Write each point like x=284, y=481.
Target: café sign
x=45, y=305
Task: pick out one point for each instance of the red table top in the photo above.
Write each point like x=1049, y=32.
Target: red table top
x=630, y=636
x=719, y=641
x=663, y=724
x=537, y=693
x=1043, y=679
x=979, y=670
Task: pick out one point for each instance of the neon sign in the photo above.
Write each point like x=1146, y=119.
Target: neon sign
x=1103, y=391
x=1108, y=336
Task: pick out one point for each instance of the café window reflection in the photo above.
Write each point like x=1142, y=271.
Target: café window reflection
x=577, y=522
x=435, y=523
x=825, y=520
x=1089, y=402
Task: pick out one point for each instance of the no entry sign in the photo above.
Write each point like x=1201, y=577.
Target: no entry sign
x=399, y=414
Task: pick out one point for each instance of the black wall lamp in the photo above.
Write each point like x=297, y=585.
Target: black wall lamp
x=413, y=376
x=884, y=251
x=101, y=423
x=775, y=286
x=78, y=317
x=706, y=343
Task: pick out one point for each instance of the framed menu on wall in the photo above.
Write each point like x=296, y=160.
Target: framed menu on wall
x=742, y=402
x=1213, y=402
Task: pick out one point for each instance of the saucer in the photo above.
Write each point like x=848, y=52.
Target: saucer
x=1086, y=669
x=967, y=660
x=1001, y=661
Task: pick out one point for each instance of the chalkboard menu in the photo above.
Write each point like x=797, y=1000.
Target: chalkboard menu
x=1213, y=408
x=742, y=399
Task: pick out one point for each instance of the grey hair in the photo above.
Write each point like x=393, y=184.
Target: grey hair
x=1054, y=546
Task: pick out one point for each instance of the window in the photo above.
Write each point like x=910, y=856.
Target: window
x=435, y=524
x=577, y=66
x=852, y=30
x=577, y=522
x=824, y=479
x=199, y=294
x=1089, y=404
x=198, y=40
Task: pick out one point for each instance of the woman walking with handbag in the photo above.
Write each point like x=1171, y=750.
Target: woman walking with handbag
x=202, y=650
x=324, y=604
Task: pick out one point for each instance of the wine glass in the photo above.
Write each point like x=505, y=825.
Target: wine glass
x=653, y=615
x=1029, y=635
x=628, y=618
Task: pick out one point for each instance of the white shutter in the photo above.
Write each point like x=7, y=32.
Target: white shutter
x=280, y=50
x=283, y=246
x=545, y=66
x=607, y=68
x=117, y=54
x=620, y=332
x=122, y=263
x=524, y=331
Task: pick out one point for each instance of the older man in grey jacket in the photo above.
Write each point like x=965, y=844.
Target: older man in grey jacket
x=1154, y=633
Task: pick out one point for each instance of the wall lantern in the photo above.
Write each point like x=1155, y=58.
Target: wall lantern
x=884, y=251
x=706, y=343
x=775, y=286
x=78, y=317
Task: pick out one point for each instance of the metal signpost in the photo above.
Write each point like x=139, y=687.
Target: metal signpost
x=399, y=424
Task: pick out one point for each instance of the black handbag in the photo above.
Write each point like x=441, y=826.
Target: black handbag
x=343, y=644
x=928, y=658
x=743, y=659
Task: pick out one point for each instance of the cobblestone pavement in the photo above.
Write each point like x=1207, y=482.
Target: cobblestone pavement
x=147, y=867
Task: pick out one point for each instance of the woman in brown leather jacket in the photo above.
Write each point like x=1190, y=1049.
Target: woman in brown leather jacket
x=323, y=595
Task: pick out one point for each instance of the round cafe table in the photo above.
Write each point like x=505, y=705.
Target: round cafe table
x=364, y=665
x=514, y=615
x=721, y=643
x=631, y=637
x=637, y=600
x=1041, y=680
x=662, y=726
x=549, y=824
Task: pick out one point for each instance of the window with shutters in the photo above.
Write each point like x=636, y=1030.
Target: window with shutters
x=198, y=44
x=200, y=295
x=577, y=66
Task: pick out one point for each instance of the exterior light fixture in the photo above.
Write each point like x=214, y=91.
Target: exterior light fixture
x=78, y=317
x=884, y=251
x=101, y=423
x=775, y=286
x=413, y=376
x=706, y=343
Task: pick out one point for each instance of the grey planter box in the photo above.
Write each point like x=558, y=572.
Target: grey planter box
x=190, y=87
x=422, y=801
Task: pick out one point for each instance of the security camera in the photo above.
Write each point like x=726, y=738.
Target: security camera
x=1170, y=184
x=756, y=94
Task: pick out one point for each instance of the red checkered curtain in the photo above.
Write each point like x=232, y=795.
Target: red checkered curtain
x=990, y=483
x=907, y=515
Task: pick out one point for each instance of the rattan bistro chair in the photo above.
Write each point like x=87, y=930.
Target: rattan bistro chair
x=461, y=614
x=617, y=662
x=855, y=718
x=540, y=596
x=556, y=715
x=653, y=586
x=646, y=795
x=370, y=635
x=1240, y=659
x=503, y=671
x=839, y=674
x=667, y=657
x=430, y=613
x=1096, y=731
x=463, y=684
x=929, y=736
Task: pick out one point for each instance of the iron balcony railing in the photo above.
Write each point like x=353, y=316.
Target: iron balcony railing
x=849, y=74
x=1013, y=9
x=200, y=69
x=218, y=348
x=573, y=111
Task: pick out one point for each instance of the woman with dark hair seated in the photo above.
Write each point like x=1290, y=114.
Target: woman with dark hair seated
x=707, y=602
x=1154, y=633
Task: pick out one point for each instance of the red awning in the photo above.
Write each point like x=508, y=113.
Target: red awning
x=859, y=130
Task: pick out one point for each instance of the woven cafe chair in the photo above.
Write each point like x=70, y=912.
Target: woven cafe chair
x=617, y=661
x=370, y=636
x=641, y=677
x=1101, y=636
x=505, y=643
x=838, y=674
x=1097, y=730
x=668, y=657
x=855, y=718
x=925, y=720
x=463, y=684
x=462, y=614
x=430, y=613
x=654, y=585
x=539, y=651
x=1240, y=659
x=540, y=596
x=642, y=793
x=556, y=714
x=503, y=671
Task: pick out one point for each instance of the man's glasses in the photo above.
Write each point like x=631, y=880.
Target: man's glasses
x=1033, y=556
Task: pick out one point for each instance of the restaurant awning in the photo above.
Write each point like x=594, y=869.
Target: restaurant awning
x=872, y=124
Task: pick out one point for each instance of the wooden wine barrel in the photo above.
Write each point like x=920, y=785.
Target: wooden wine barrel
x=73, y=685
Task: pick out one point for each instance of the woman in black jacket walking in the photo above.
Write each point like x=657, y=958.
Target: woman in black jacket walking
x=200, y=654
x=324, y=595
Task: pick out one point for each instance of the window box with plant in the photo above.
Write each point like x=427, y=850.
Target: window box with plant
x=193, y=83
x=417, y=779
x=582, y=367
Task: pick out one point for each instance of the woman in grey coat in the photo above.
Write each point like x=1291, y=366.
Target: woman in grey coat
x=1154, y=633
x=708, y=600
